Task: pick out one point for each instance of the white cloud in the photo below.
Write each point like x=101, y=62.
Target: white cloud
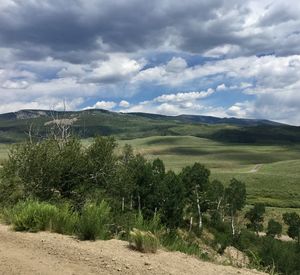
x=176, y=104
x=183, y=96
x=221, y=87
x=176, y=65
x=118, y=67
x=228, y=50
x=43, y=103
x=107, y=105
x=124, y=104
x=9, y=84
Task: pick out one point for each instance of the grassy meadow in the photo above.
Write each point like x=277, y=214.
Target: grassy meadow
x=271, y=172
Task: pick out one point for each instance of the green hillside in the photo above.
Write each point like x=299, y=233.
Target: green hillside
x=264, y=154
x=89, y=123
x=271, y=172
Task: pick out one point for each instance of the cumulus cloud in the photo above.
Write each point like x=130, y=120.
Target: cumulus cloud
x=175, y=104
x=43, y=103
x=124, y=104
x=107, y=105
x=183, y=96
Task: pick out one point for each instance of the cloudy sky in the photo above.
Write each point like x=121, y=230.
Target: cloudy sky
x=208, y=57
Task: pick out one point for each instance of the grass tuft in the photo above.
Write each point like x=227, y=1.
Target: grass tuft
x=93, y=222
x=143, y=241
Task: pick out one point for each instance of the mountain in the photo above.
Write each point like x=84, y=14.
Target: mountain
x=211, y=119
x=88, y=123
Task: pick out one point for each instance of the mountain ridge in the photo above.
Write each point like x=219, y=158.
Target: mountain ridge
x=36, y=113
x=92, y=122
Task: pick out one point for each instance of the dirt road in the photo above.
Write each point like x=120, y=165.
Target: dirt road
x=49, y=254
x=256, y=168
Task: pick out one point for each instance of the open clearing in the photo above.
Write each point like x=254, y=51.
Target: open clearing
x=53, y=254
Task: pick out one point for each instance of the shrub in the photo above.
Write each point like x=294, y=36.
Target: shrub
x=274, y=228
x=93, y=221
x=65, y=221
x=285, y=255
x=46, y=170
x=153, y=225
x=143, y=241
x=175, y=242
x=35, y=216
x=31, y=215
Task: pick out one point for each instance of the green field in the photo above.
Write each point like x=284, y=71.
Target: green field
x=271, y=173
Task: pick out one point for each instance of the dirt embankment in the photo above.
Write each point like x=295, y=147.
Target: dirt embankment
x=48, y=254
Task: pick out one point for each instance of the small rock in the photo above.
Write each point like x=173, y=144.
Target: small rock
x=147, y=263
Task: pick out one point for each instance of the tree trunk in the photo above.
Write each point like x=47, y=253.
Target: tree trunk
x=219, y=203
x=139, y=203
x=131, y=203
x=199, y=212
x=123, y=204
x=191, y=224
x=232, y=223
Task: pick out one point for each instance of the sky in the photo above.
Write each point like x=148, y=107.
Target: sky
x=203, y=57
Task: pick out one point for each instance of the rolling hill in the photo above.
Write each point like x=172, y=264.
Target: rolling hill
x=262, y=153
x=88, y=123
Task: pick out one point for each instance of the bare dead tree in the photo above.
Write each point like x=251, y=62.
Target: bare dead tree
x=33, y=133
x=61, y=125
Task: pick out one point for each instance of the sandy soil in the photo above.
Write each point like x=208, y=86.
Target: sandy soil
x=49, y=254
x=284, y=238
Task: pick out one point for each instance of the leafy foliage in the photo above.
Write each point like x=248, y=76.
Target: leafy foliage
x=236, y=199
x=274, y=228
x=256, y=217
x=293, y=221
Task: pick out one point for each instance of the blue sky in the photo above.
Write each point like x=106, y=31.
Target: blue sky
x=207, y=57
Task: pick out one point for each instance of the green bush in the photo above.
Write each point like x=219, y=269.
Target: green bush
x=274, y=228
x=143, y=241
x=175, y=242
x=35, y=216
x=31, y=215
x=153, y=225
x=65, y=221
x=285, y=255
x=93, y=221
